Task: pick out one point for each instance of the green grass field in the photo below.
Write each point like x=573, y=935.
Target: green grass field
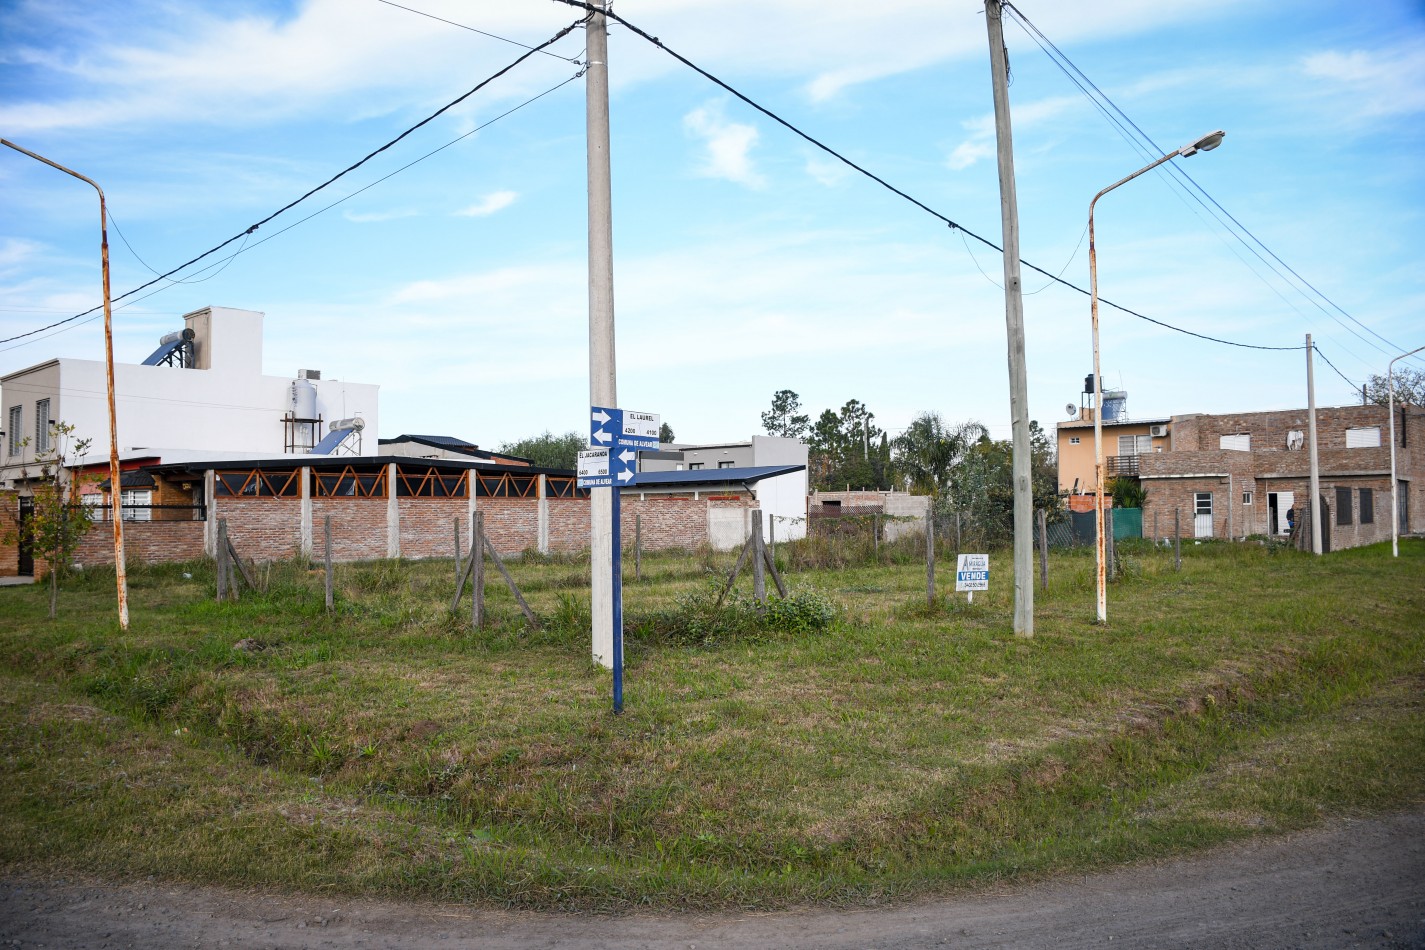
x=855, y=744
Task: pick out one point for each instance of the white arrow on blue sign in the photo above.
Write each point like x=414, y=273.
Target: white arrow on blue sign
x=623, y=427
x=623, y=465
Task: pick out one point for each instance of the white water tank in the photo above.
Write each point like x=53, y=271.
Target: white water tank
x=304, y=399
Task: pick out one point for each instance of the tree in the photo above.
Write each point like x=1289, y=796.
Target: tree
x=665, y=434
x=982, y=484
x=848, y=448
x=926, y=454
x=548, y=450
x=1409, y=387
x=56, y=524
x=783, y=419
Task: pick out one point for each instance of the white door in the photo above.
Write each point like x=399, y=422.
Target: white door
x=1202, y=514
x=1279, y=508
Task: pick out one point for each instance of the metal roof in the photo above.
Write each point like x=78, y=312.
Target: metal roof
x=705, y=476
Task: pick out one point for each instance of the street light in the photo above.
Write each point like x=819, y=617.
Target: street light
x=1394, y=501
x=120, y=576
x=1205, y=144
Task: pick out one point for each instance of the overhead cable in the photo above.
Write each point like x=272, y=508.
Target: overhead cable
x=351, y=168
x=892, y=188
x=1118, y=118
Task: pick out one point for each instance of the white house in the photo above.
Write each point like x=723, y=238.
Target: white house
x=200, y=393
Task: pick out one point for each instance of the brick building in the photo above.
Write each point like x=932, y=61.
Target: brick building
x=393, y=506
x=1239, y=474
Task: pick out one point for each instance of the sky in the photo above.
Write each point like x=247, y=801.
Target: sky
x=746, y=260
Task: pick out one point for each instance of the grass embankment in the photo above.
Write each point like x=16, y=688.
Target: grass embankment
x=389, y=748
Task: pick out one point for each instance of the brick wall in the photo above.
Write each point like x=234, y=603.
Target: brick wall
x=427, y=526
x=145, y=542
x=263, y=529
x=9, y=525
x=512, y=524
x=358, y=528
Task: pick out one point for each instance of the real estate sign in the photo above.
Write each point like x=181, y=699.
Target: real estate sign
x=972, y=572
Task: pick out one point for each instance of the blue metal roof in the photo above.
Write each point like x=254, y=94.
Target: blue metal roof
x=704, y=476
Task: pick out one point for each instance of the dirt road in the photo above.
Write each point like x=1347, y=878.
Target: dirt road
x=1352, y=884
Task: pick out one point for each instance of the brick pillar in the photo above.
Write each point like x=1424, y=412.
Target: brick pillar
x=305, y=474
x=543, y=529
x=210, y=504
x=393, y=514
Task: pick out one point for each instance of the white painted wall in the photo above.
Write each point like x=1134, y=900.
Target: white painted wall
x=166, y=411
x=784, y=498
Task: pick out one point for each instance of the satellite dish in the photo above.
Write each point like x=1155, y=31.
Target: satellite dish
x=1071, y=410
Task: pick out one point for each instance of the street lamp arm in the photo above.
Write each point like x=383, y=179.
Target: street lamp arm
x=120, y=574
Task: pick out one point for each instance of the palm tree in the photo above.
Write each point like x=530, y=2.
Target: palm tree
x=928, y=452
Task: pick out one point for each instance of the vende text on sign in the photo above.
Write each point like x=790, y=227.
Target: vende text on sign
x=972, y=572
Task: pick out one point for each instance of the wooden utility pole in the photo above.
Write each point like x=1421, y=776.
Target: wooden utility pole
x=1014, y=327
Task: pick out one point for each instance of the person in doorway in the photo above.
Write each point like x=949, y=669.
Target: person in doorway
x=1290, y=520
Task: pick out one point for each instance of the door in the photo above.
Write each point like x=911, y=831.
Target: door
x=1402, y=504
x=27, y=553
x=1202, y=514
x=1278, y=504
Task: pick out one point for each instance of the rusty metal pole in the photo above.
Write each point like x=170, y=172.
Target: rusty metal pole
x=115, y=490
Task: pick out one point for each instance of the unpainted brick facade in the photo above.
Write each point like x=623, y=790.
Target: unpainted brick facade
x=1248, y=487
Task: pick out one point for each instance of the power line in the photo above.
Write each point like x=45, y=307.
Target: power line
x=892, y=188
x=493, y=36
x=291, y=204
x=1117, y=117
x=1352, y=383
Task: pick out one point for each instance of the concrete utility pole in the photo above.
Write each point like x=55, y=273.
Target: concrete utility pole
x=115, y=489
x=1014, y=330
x=1311, y=439
x=603, y=374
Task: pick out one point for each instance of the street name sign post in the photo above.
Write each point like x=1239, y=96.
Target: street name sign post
x=616, y=436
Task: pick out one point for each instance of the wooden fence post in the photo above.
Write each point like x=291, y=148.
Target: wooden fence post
x=1043, y=549
x=327, y=555
x=477, y=573
x=759, y=559
x=457, y=552
x=222, y=559
x=930, y=558
x=1177, y=542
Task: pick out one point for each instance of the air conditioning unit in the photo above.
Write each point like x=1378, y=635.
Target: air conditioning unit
x=309, y=374
x=1158, y=432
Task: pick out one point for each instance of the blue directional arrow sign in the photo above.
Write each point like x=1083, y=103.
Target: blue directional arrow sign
x=609, y=427
x=623, y=466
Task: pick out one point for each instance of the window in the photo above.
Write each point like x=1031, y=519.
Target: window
x=17, y=418
x=1364, y=437
x=1343, y=506
x=724, y=464
x=1202, y=503
x=140, y=497
x=1135, y=444
x=694, y=466
x=1368, y=506
x=1241, y=442
x=1073, y=440
x=1246, y=498
x=42, y=426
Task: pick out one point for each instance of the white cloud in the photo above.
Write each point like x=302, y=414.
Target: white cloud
x=827, y=171
x=373, y=217
x=728, y=145
x=1385, y=82
x=980, y=140
x=488, y=205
